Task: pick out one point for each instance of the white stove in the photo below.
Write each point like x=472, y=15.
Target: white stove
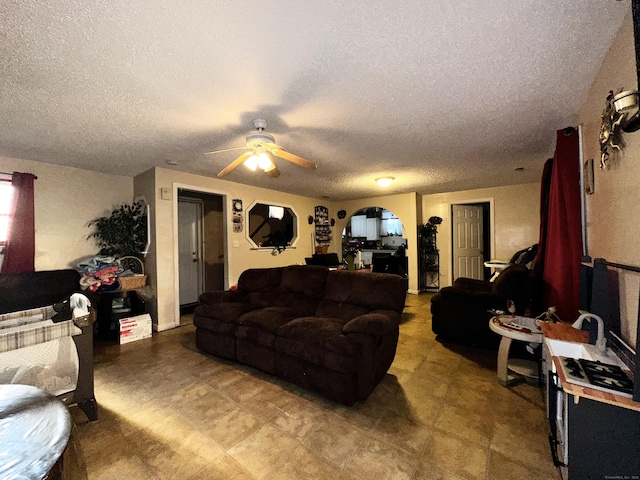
x=597, y=375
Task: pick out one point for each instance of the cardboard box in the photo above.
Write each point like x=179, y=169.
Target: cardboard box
x=135, y=328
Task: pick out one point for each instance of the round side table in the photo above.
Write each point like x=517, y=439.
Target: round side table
x=34, y=431
x=523, y=329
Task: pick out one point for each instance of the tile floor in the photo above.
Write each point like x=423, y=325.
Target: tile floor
x=167, y=411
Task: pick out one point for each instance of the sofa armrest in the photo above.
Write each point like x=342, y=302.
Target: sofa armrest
x=472, y=284
x=211, y=298
x=477, y=298
x=376, y=323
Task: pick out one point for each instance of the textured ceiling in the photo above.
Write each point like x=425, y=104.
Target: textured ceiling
x=441, y=95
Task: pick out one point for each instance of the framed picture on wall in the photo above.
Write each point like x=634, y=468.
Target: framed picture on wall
x=588, y=177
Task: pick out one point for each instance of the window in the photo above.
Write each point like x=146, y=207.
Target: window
x=271, y=225
x=6, y=194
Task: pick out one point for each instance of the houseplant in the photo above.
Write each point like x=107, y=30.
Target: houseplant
x=124, y=232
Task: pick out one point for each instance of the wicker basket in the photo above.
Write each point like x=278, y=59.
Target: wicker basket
x=136, y=281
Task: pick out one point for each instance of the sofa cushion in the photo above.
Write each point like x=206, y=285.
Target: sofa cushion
x=319, y=341
x=269, y=318
x=374, y=291
x=260, y=279
x=221, y=312
x=303, y=305
x=306, y=280
x=375, y=323
x=323, y=332
x=222, y=297
x=23, y=291
x=343, y=311
x=511, y=279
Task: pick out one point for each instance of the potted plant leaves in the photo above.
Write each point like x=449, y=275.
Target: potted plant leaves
x=124, y=232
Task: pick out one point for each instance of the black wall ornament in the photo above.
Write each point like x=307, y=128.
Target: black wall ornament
x=342, y=214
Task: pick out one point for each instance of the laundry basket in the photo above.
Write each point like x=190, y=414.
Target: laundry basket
x=133, y=282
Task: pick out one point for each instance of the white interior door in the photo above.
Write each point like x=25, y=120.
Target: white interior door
x=468, y=260
x=190, y=250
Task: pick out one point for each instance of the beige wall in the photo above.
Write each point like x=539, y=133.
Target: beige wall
x=163, y=265
x=66, y=199
x=405, y=206
x=515, y=220
x=612, y=229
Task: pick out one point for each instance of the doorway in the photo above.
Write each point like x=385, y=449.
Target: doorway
x=471, y=240
x=201, y=247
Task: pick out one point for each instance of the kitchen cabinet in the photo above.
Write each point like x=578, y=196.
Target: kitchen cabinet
x=373, y=228
x=359, y=226
x=602, y=440
x=390, y=226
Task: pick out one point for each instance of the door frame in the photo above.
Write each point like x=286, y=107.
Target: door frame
x=226, y=208
x=492, y=229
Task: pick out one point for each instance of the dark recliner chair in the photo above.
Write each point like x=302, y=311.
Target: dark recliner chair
x=461, y=313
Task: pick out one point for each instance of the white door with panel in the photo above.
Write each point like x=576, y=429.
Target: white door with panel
x=468, y=255
x=190, y=250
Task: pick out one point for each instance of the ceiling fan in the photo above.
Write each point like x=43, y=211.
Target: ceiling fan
x=261, y=152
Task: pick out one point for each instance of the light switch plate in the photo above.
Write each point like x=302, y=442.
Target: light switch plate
x=165, y=193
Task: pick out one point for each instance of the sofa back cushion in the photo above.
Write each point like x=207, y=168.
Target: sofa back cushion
x=260, y=285
x=23, y=291
x=514, y=283
x=301, y=288
x=304, y=279
x=350, y=294
x=260, y=279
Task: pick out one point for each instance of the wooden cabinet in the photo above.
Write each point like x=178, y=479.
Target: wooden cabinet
x=359, y=226
x=603, y=440
x=373, y=229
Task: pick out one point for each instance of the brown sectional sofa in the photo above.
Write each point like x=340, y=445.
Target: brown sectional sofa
x=334, y=332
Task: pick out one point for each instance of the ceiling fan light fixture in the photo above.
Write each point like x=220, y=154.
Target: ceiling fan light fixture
x=251, y=163
x=385, y=181
x=264, y=162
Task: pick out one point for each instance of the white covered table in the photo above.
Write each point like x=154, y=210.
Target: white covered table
x=523, y=329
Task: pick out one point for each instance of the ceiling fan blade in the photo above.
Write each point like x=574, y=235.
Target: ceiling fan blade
x=225, y=150
x=275, y=173
x=238, y=161
x=279, y=152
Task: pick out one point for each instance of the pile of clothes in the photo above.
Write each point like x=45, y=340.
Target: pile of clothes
x=99, y=273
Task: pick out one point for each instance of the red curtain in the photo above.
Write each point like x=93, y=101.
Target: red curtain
x=560, y=245
x=20, y=248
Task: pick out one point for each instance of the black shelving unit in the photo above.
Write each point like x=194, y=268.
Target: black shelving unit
x=113, y=306
x=429, y=259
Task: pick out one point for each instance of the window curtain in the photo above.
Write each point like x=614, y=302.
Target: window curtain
x=20, y=247
x=560, y=243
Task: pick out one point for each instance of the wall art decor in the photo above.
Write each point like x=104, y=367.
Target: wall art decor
x=238, y=217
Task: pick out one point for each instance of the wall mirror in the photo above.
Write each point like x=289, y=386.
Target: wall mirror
x=272, y=225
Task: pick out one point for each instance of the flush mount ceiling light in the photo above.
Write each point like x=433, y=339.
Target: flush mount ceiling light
x=384, y=181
